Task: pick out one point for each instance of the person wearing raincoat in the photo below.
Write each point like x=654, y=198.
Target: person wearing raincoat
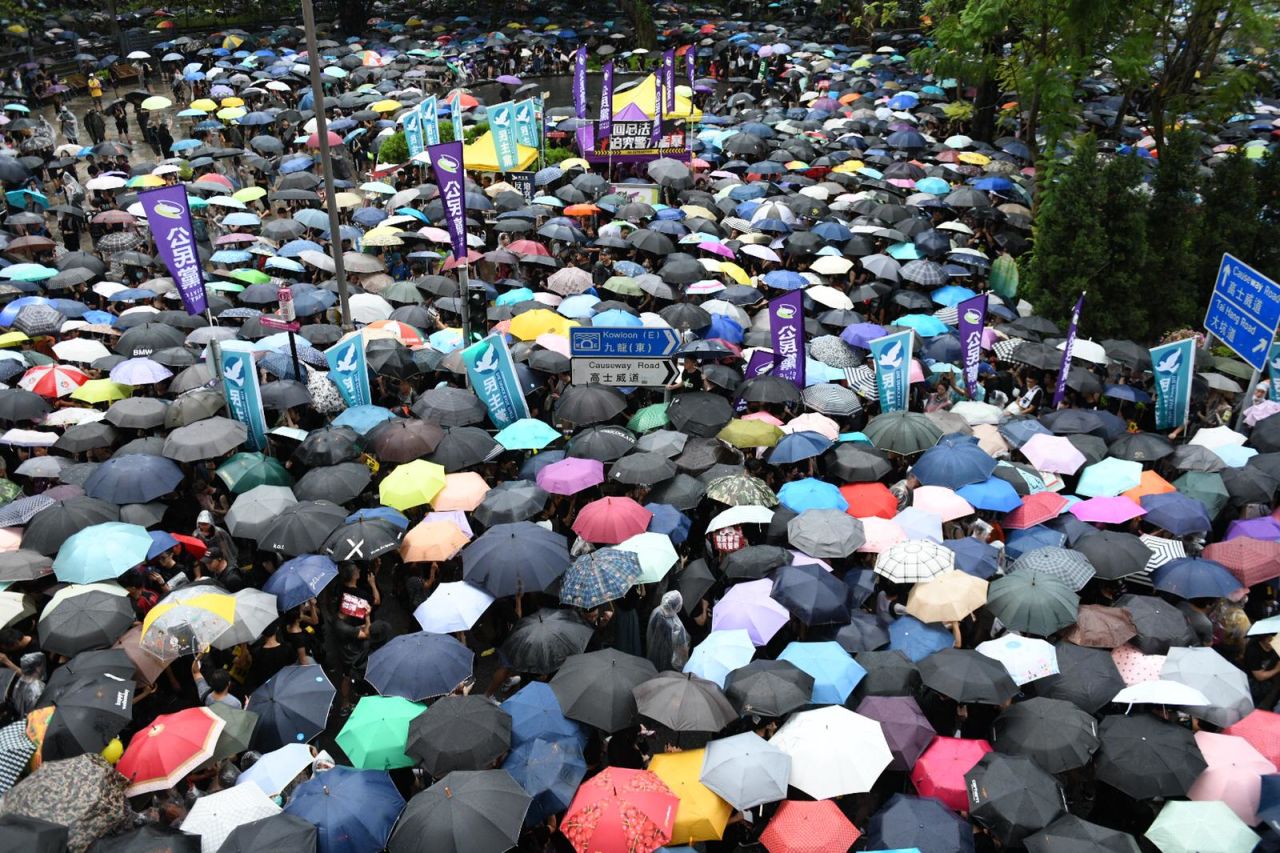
x=666, y=640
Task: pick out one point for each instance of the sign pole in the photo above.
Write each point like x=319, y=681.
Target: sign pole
x=326, y=162
x=464, y=287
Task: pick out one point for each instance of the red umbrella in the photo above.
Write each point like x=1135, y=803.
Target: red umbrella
x=939, y=772
x=170, y=748
x=870, y=499
x=52, y=380
x=313, y=141
x=610, y=520
x=618, y=809
x=803, y=826
x=1035, y=509
x=1252, y=561
x=1262, y=729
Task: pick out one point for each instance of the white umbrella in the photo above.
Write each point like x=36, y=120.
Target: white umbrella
x=833, y=751
x=369, y=307
x=746, y=770
x=825, y=294
x=747, y=514
x=914, y=560
x=1218, y=437
x=215, y=815
x=1026, y=658
x=976, y=413
x=1161, y=692
x=255, y=610
x=273, y=772
x=655, y=553
x=452, y=607
x=80, y=350
x=1086, y=350
x=1225, y=685
x=832, y=265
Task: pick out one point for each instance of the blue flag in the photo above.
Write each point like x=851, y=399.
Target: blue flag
x=527, y=130
x=455, y=114
x=1273, y=372
x=502, y=121
x=892, y=354
x=244, y=397
x=413, y=133
x=493, y=376
x=347, y=370
x=429, y=114
x=1174, y=367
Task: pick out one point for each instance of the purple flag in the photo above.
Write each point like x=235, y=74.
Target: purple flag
x=759, y=361
x=586, y=139
x=690, y=60
x=656, y=133
x=1065, y=367
x=446, y=161
x=786, y=320
x=972, y=316
x=580, y=82
x=669, y=80
x=170, y=221
x=606, y=102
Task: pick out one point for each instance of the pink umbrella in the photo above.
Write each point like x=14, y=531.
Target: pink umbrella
x=916, y=372
x=570, y=476
x=463, y=491
x=1232, y=775
x=1259, y=411
x=941, y=501
x=1106, y=510
x=1262, y=729
x=1035, y=509
x=313, y=141
x=762, y=416
x=1053, y=453
x=555, y=343
x=940, y=769
x=1135, y=667
x=717, y=249
x=799, y=558
x=749, y=606
x=608, y=521
x=814, y=422
x=881, y=534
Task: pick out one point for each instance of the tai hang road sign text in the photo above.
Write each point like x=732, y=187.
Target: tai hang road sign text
x=1244, y=310
x=623, y=342
x=624, y=372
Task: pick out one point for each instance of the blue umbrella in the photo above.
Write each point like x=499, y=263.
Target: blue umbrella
x=925, y=325
x=975, y=557
x=1022, y=541
x=363, y=418
x=720, y=654
x=550, y=772
x=599, y=577
x=161, y=542
x=798, y=446
x=354, y=810
x=419, y=666
x=991, y=494
x=785, y=280
x=669, y=521
x=535, y=713
x=800, y=495
x=953, y=464
x=1177, y=513
x=301, y=579
x=951, y=295
x=379, y=513
x=835, y=673
x=921, y=823
x=134, y=478
x=101, y=552
x=1019, y=432
x=812, y=594
x=1190, y=577
x=917, y=640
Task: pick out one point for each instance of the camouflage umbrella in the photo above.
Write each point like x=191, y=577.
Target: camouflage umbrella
x=84, y=793
x=741, y=490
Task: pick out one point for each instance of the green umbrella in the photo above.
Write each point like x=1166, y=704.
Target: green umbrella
x=249, y=276
x=1206, y=487
x=402, y=291
x=1003, y=278
x=375, y=734
x=244, y=471
x=1187, y=827
x=9, y=490
x=650, y=417
x=904, y=433
x=1032, y=603
x=624, y=285
x=236, y=735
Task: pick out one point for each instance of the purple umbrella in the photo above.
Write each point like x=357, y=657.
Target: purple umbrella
x=861, y=334
x=1264, y=528
x=906, y=729
x=571, y=475
x=750, y=607
x=139, y=371
x=510, y=80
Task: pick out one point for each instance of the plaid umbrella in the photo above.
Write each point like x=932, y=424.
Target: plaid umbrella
x=1071, y=567
x=39, y=320
x=16, y=750
x=914, y=560
x=598, y=577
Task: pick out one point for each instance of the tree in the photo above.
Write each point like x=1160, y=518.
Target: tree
x=1173, y=225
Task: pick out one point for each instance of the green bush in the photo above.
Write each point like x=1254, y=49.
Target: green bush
x=557, y=154
x=394, y=149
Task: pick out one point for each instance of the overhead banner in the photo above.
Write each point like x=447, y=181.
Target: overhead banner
x=1065, y=367
x=669, y=81
x=413, y=133
x=446, y=162
x=502, y=121
x=605, y=127
x=786, y=322
x=169, y=219
x=892, y=355
x=455, y=115
x=1273, y=372
x=528, y=127
x=348, y=370
x=244, y=397
x=580, y=82
x=494, y=379
x=429, y=113
x=690, y=59
x=1174, y=367
x=972, y=316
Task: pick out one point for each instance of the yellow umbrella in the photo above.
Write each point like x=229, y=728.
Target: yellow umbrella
x=156, y=102
x=101, y=391
x=204, y=104
x=540, y=321
x=145, y=181
x=13, y=339
x=701, y=815
x=574, y=163
x=233, y=101
x=698, y=210
x=382, y=237
x=385, y=106
x=231, y=42
x=742, y=433
x=735, y=272
x=949, y=597
x=230, y=113
x=432, y=542
x=249, y=194
x=973, y=158
x=176, y=627
x=412, y=484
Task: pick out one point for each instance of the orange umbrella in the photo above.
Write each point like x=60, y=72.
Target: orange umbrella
x=462, y=491
x=1150, y=483
x=581, y=210
x=432, y=542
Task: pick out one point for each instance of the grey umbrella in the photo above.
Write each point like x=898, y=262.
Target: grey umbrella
x=853, y=462
x=670, y=173
x=1160, y=624
x=18, y=404
x=642, y=469
x=37, y=319
x=52, y=526
x=596, y=687
x=588, y=404
x=207, y=439
x=746, y=771
x=541, y=642
x=1071, y=567
x=459, y=733
x=1225, y=685
x=468, y=811
x=449, y=407
x=252, y=512
x=511, y=500
x=684, y=702
x=1055, y=733
x=825, y=533
x=339, y=483
x=87, y=436
x=769, y=688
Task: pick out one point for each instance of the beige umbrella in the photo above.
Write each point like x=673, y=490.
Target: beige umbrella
x=949, y=597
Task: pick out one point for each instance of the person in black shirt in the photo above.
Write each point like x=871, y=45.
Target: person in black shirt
x=1263, y=665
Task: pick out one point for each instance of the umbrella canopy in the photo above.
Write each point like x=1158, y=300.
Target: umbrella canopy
x=482, y=810
x=459, y=733
x=1056, y=734
x=597, y=688
x=621, y=809
x=351, y=809
x=1145, y=757
x=833, y=751
x=1013, y=796
x=746, y=770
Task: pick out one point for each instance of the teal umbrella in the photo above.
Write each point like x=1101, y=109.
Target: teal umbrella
x=1032, y=603
x=102, y=552
x=1109, y=478
x=1195, y=827
x=1206, y=487
x=904, y=433
x=245, y=471
x=527, y=434
x=925, y=325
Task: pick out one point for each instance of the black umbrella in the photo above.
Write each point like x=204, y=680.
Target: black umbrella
x=589, y=404
x=1070, y=834
x=864, y=633
x=767, y=388
x=889, y=673
x=1012, y=796
x=1141, y=447
x=90, y=710
x=1147, y=757
x=596, y=687
x=284, y=394
x=468, y=811
x=1087, y=677
x=142, y=340
x=1160, y=624
x=699, y=413
x=24, y=565
x=1114, y=555
x=694, y=581
x=905, y=822
x=301, y=528
x=854, y=462
x=967, y=676
x=510, y=501
x=811, y=594
x=362, y=539
x=459, y=733
x=152, y=839
x=338, y=484
x=541, y=642
x=464, y=446
x=508, y=559
x=449, y=406
x=292, y=706
x=89, y=436
x=91, y=618
x=1248, y=485
x=280, y=833
x=681, y=491
x=402, y=439
x=18, y=404
x=683, y=702
x=768, y=688
x=642, y=469
x=754, y=562
x=1054, y=732
x=602, y=443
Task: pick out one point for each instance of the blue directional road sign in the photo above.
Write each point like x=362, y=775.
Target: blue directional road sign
x=1244, y=310
x=623, y=342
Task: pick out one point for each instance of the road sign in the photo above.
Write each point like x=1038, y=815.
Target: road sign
x=271, y=321
x=1244, y=310
x=624, y=372
x=623, y=342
